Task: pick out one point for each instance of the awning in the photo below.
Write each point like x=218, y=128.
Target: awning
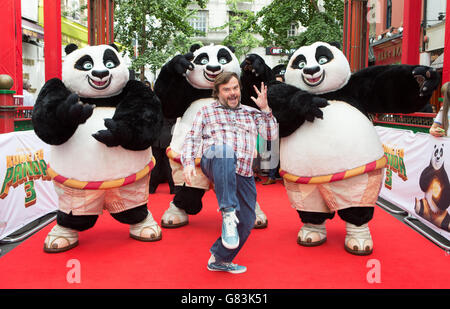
x=31, y=29
x=438, y=63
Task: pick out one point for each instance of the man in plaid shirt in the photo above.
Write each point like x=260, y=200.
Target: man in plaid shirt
x=224, y=134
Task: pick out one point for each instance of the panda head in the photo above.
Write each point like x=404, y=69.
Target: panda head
x=209, y=61
x=318, y=68
x=94, y=71
x=437, y=158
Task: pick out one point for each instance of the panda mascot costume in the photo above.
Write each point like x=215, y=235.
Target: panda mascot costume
x=100, y=126
x=184, y=86
x=331, y=158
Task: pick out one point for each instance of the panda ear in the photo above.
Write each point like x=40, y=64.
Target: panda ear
x=336, y=44
x=70, y=48
x=194, y=47
x=114, y=46
x=232, y=49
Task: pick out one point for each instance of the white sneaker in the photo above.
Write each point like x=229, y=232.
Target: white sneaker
x=60, y=239
x=358, y=240
x=230, y=235
x=311, y=235
x=147, y=230
x=261, y=218
x=174, y=217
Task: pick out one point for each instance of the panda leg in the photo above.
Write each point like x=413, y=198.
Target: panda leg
x=187, y=201
x=142, y=225
x=64, y=235
x=313, y=232
x=358, y=239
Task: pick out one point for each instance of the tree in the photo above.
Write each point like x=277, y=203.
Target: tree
x=153, y=30
x=276, y=19
x=240, y=24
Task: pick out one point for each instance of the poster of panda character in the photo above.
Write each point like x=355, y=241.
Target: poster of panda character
x=100, y=125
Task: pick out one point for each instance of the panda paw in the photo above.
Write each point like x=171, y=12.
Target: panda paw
x=110, y=137
x=181, y=63
x=73, y=112
x=427, y=78
x=313, y=109
x=253, y=64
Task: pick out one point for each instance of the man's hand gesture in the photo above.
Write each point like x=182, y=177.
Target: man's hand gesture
x=261, y=100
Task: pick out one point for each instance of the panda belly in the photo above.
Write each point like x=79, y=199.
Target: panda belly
x=342, y=140
x=184, y=124
x=84, y=158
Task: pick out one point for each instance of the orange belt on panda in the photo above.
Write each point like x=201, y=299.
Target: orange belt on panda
x=380, y=163
x=101, y=185
x=176, y=157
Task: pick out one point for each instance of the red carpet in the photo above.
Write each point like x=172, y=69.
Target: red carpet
x=110, y=259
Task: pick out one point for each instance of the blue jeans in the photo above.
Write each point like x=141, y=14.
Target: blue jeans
x=232, y=190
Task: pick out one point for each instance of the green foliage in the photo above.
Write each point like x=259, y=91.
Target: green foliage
x=241, y=36
x=159, y=29
x=275, y=21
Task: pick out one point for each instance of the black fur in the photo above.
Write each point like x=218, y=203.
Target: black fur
x=135, y=125
x=137, y=121
x=378, y=89
x=174, y=91
x=427, y=176
x=254, y=72
x=292, y=106
x=57, y=113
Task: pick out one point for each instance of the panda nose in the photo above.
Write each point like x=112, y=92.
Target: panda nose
x=213, y=68
x=311, y=70
x=100, y=74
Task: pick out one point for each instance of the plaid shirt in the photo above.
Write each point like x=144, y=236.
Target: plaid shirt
x=216, y=125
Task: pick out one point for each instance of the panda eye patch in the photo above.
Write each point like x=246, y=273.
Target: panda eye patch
x=323, y=54
x=202, y=59
x=110, y=59
x=85, y=63
x=299, y=62
x=224, y=56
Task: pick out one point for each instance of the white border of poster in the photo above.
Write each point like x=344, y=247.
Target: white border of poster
x=26, y=190
x=409, y=154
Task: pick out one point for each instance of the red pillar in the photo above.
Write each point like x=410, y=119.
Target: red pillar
x=52, y=39
x=446, y=68
x=11, y=42
x=412, y=15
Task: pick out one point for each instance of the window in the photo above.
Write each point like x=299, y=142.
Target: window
x=293, y=30
x=199, y=20
x=233, y=19
x=388, y=14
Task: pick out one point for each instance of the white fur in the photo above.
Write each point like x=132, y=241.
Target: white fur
x=84, y=158
x=342, y=140
x=197, y=78
x=437, y=159
x=337, y=71
x=77, y=80
x=184, y=124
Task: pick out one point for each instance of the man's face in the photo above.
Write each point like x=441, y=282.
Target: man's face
x=230, y=93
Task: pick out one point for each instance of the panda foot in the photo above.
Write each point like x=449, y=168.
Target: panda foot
x=311, y=235
x=60, y=239
x=174, y=217
x=147, y=230
x=358, y=240
x=261, y=219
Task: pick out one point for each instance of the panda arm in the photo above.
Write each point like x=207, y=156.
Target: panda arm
x=292, y=106
x=254, y=72
x=389, y=89
x=137, y=121
x=174, y=91
x=425, y=178
x=444, y=200
x=57, y=113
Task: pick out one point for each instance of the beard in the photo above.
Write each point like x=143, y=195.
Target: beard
x=224, y=101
